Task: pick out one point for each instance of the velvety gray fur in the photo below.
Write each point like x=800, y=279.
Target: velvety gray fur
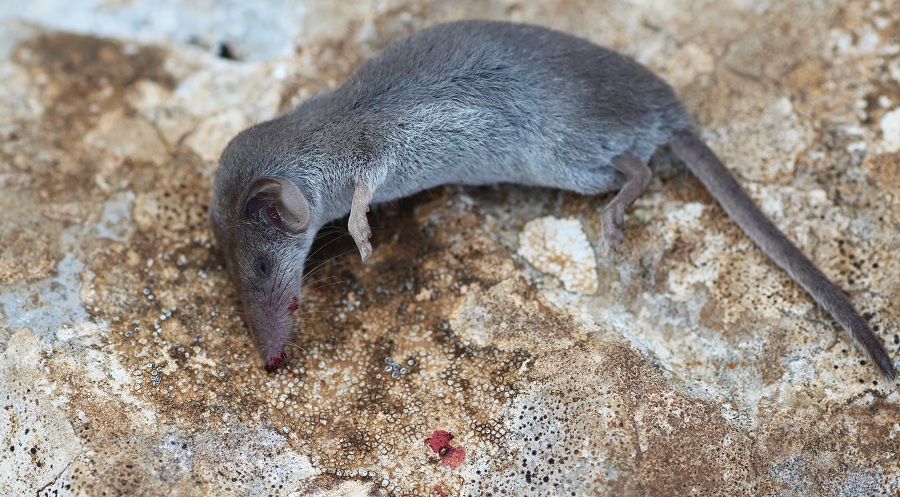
x=470, y=102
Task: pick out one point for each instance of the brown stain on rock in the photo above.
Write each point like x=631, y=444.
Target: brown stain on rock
x=80, y=78
x=26, y=254
x=85, y=76
x=649, y=418
x=707, y=446
x=822, y=462
x=492, y=359
x=346, y=406
x=77, y=79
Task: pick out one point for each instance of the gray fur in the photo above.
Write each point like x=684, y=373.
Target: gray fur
x=471, y=102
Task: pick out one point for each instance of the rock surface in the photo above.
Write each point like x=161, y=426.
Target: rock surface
x=695, y=368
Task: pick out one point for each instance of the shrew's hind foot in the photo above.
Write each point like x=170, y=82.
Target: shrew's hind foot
x=637, y=177
x=612, y=223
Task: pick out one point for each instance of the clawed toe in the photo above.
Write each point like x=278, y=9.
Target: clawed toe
x=358, y=224
x=612, y=222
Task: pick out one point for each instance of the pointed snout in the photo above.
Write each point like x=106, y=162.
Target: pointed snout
x=272, y=328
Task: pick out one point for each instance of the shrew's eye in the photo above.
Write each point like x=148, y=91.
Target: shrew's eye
x=262, y=267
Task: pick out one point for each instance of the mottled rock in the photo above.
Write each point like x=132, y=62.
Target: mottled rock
x=684, y=363
x=560, y=247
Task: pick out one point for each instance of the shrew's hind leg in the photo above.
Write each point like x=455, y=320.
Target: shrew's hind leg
x=358, y=223
x=637, y=177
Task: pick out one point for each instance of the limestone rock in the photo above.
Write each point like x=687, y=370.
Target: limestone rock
x=695, y=368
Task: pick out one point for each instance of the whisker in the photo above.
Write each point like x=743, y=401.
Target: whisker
x=325, y=285
x=292, y=344
x=326, y=244
x=319, y=311
x=328, y=278
x=320, y=266
x=331, y=230
x=349, y=251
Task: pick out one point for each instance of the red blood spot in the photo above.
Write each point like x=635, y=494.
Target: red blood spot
x=439, y=442
x=440, y=491
x=295, y=304
x=454, y=457
x=273, y=363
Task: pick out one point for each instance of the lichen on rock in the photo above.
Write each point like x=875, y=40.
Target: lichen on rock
x=683, y=363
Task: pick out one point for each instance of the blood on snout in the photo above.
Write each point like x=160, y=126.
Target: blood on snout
x=273, y=363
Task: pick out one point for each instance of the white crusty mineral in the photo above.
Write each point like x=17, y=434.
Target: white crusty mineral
x=560, y=247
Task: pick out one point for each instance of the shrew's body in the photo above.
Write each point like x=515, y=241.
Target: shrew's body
x=471, y=102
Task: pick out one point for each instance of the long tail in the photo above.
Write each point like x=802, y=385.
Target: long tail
x=741, y=208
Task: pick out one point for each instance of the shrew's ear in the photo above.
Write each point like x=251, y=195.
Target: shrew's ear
x=276, y=201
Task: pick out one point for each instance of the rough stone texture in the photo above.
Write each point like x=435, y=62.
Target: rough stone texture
x=559, y=247
x=696, y=368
